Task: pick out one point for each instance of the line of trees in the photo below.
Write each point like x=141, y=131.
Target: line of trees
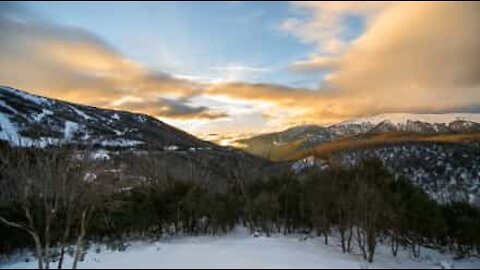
x=48, y=203
x=47, y=195
x=362, y=206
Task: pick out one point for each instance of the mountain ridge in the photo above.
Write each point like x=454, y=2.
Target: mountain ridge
x=308, y=136
x=28, y=119
x=123, y=142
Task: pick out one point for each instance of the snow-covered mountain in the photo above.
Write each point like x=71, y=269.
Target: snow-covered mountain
x=117, y=139
x=308, y=136
x=404, y=118
x=409, y=122
x=446, y=171
x=438, y=152
x=30, y=120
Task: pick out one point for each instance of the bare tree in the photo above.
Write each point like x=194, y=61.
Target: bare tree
x=20, y=172
x=50, y=188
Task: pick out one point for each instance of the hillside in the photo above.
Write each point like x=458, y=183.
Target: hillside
x=301, y=141
x=120, y=140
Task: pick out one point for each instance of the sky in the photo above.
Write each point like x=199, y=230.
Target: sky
x=223, y=70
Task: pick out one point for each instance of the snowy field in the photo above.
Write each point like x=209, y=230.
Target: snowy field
x=240, y=250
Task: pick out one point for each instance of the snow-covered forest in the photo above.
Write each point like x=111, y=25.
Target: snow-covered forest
x=55, y=205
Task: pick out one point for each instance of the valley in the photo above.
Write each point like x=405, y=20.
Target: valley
x=141, y=180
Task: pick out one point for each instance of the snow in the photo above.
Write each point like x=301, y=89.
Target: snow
x=303, y=164
x=8, y=131
x=40, y=142
x=6, y=106
x=120, y=143
x=307, y=163
x=126, y=189
x=119, y=133
x=171, y=148
x=82, y=114
x=239, y=249
x=141, y=118
x=100, y=155
x=90, y=177
x=40, y=116
x=402, y=118
x=32, y=98
x=70, y=129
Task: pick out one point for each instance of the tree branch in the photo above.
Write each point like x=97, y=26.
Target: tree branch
x=13, y=224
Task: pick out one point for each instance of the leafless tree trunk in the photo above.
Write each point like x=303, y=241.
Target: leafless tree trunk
x=83, y=231
x=349, y=240
x=325, y=236
x=47, y=182
x=343, y=238
x=33, y=233
x=361, y=242
x=66, y=234
x=371, y=243
x=394, y=245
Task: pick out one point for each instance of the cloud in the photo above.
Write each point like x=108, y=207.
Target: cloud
x=261, y=92
x=72, y=64
x=238, y=72
x=241, y=68
x=408, y=57
x=412, y=56
x=288, y=104
x=420, y=56
x=178, y=109
x=323, y=22
x=315, y=63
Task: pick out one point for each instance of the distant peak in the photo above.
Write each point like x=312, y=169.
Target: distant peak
x=404, y=118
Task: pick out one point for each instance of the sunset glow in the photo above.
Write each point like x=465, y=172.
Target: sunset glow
x=235, y=68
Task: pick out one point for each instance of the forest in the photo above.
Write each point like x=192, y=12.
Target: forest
x=52, y=203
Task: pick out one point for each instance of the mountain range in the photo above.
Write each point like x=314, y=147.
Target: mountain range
x=439, y=152
x=119, y=137
x=27, y=119
x=299, y=141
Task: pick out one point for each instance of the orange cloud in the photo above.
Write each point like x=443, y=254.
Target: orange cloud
x=413, y=56
x=323, y=24
x=291, y=104
x=74, y=65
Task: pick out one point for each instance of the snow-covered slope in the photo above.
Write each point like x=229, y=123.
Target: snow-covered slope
x=122, y=137
x=30, y=120
x=291, y=143
x=394, y=122
x=438, y=152
x=240, y=250
x=409, y=122
x=446, y=172
x=404, y=118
